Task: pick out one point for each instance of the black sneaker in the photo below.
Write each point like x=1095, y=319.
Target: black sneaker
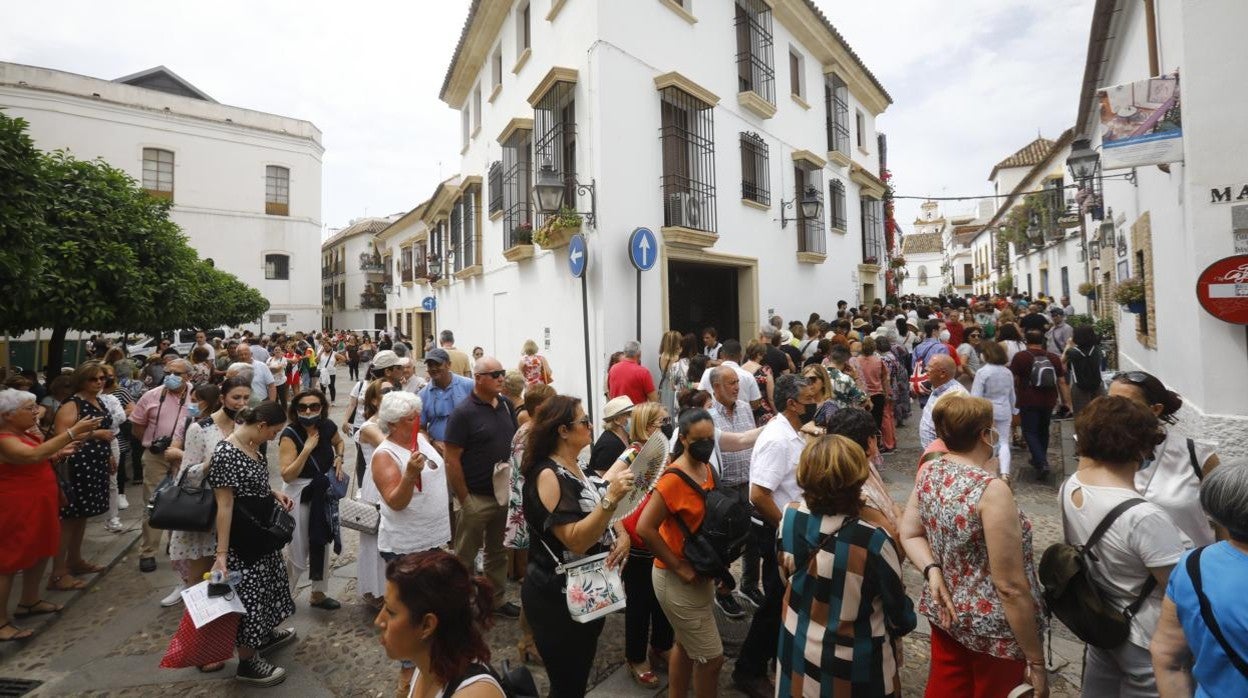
x=754, y=595
x=508, y=610
x=277, y=639
x=257, y=671
x=728, y=604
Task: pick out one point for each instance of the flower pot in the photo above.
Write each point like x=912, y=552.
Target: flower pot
x=1137, y=307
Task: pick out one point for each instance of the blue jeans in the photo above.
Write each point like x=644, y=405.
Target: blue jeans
x=1035, y=425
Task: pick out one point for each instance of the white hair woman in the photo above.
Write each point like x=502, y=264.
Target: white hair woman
x=28, y=503
x=410, y=477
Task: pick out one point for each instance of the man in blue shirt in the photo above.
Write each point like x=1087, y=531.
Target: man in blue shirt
x=440, y=397
x=930, y=346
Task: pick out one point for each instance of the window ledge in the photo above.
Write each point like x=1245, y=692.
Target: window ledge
x=515, y=253
x=837, y=231
x=442, y=283
x=555, y=7
x=688, y=237
x=836, y=157
x=868, y=270
x=680, y=11
x=812, y=257
x=756, y=204
x=754, y=102
x=494, y=93
x=864, y=151
x=496, y=215
x=521, y=60
x=408, y=284
x=800, y=102
x=468, y=272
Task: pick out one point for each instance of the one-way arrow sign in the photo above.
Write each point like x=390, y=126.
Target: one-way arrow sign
x=643, y=249
x=577, y=255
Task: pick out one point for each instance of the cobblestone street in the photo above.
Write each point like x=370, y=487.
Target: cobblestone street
x=110, y=639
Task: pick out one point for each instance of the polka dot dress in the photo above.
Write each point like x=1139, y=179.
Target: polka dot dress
x=88, y=468
x=265, y=588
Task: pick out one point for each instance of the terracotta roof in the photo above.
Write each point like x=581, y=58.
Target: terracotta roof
x=372, y=226
x=1029, y=156
x=922, y=243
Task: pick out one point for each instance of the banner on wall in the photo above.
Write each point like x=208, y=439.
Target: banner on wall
x=1141, y=123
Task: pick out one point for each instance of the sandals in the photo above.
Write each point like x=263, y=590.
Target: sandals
x=645, y=679
x=18, y=635
x=38, y=608
x=59, y=582
x=87, y=568
x=528, y=653
x=211, y=668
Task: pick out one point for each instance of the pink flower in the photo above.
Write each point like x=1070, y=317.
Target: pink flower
x=578, y=596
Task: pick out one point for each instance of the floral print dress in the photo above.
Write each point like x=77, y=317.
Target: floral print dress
x=948, y=497
x=516, y=532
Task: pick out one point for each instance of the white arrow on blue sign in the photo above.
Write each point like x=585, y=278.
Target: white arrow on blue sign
x=643, y=249
x=578, y=256
x=428, y=303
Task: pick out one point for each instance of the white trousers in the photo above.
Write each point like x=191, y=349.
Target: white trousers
x=298, y=552
x=1003, y=448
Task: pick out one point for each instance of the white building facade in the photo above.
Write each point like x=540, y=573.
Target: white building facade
x=1169, y=223
x=353, y=277
x=245, y=185
x=698, y=122
x=924, y=252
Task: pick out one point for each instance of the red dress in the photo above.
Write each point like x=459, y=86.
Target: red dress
x=29, y=500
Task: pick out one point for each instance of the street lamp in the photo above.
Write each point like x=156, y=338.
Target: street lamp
x=810, y=206
x=1084, y=164
x=549, y=190
x=1083, y=160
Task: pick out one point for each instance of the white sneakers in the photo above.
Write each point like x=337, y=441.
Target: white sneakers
x=122, y=504
x=114, y=525
x=174, y=598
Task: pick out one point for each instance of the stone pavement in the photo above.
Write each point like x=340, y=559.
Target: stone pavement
x=110, y=638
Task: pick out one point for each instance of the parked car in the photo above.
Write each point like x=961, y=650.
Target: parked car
x=185, y=341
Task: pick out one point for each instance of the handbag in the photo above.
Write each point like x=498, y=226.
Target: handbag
x=260, y=526
x=359, y=515
x=590, y=589
x=182, y=507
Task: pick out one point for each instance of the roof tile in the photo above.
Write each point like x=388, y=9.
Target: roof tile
x=922, y=243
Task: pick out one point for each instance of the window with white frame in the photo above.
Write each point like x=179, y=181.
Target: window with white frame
x=797, y=78
x=837, y=205
x=524, y=36
x=496, y=68
x=755, y=70
x=554, y=137
x=836, y=104
x=158, y=172
x=276, y=190
x=476, y=110
x=466, y=117
x=860, y=125
x=517, y=185
x=755, y=177
x=687, y=137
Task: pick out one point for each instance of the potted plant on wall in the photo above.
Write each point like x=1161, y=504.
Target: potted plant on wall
x=558, y=229
x=1088, y=290
x=1130, y=293
x=521, y=243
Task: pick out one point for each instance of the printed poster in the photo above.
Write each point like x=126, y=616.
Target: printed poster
x=1141, y=123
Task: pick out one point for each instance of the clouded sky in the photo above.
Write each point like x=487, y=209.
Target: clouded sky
x=972, y=80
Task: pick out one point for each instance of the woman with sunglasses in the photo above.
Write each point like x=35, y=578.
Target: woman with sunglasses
x=90, y=468
x=1171, y=477
x=370, y=576
x=569, y=514
x=310, y=454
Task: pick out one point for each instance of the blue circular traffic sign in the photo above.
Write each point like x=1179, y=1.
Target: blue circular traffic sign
x=428, y=304
x=578, y=256
x=643, y=249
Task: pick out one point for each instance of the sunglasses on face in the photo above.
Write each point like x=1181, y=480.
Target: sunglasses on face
x=583, y=420
x=311, y=407
x=494, y=374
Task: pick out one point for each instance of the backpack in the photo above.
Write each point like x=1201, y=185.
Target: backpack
x=1072, y=596
x=516, y=683
x=1043, y=374
x=1086, y=369
x=724, y=532
x=920, y=385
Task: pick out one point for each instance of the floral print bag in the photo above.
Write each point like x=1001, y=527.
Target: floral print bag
x=591, y=589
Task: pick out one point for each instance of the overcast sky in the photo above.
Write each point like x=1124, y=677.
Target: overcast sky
x=972, y=80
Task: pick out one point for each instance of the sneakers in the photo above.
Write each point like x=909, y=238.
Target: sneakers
x=114, y=525
x=508, y=610
x=728, y=604
x=257, y=671
x=122, y=503
x=174, y=598
x=754, y=595
x=277, y=639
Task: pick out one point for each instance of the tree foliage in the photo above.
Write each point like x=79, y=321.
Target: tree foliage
x=86, y=248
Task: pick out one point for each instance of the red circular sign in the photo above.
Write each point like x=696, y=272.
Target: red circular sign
x=1223, y=289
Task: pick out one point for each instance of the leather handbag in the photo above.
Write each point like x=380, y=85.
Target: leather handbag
x=182, y=507
x=359, y=515
x=260, y=526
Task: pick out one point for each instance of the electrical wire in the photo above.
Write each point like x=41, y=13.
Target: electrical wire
x=1126, y=176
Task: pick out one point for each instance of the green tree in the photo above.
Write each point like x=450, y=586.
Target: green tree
x=107, y=257
x=22, y=191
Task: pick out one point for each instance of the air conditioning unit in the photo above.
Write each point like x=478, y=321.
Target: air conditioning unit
x=687, y=210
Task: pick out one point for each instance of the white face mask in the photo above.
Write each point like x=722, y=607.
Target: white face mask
x=944, y=336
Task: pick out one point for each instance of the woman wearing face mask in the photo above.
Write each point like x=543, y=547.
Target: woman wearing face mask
x=963, y=528
x=569, y=515
x=310, y=454
x=614, y=437
x=685, y=596
x=239, y=478
x=212, y=410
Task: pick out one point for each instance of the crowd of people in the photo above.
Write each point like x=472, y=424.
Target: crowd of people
x=484, y=476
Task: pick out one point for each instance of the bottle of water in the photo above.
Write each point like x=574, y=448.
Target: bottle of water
x=233, y=578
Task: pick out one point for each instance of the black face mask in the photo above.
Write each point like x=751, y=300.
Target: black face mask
x=231, y=413
x=668, y=428
x=309, y=420
x=702, y=449
x=808, y=414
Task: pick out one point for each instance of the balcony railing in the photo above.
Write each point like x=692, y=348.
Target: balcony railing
x=406, y=274
x=371, y=263
x=326, y=272
x=372, y=300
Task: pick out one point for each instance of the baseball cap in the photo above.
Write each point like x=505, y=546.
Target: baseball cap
x=438, y=355
x=385, y=359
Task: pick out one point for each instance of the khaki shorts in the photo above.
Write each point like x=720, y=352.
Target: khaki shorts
x=688, y=609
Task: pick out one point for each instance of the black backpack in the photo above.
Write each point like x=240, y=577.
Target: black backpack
x=516, y=683
x=1076, y=600
x=1086, y=368
x=724, y=532
x=1043, y=374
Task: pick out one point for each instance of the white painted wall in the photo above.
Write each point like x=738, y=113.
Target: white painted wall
x=219, y=172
